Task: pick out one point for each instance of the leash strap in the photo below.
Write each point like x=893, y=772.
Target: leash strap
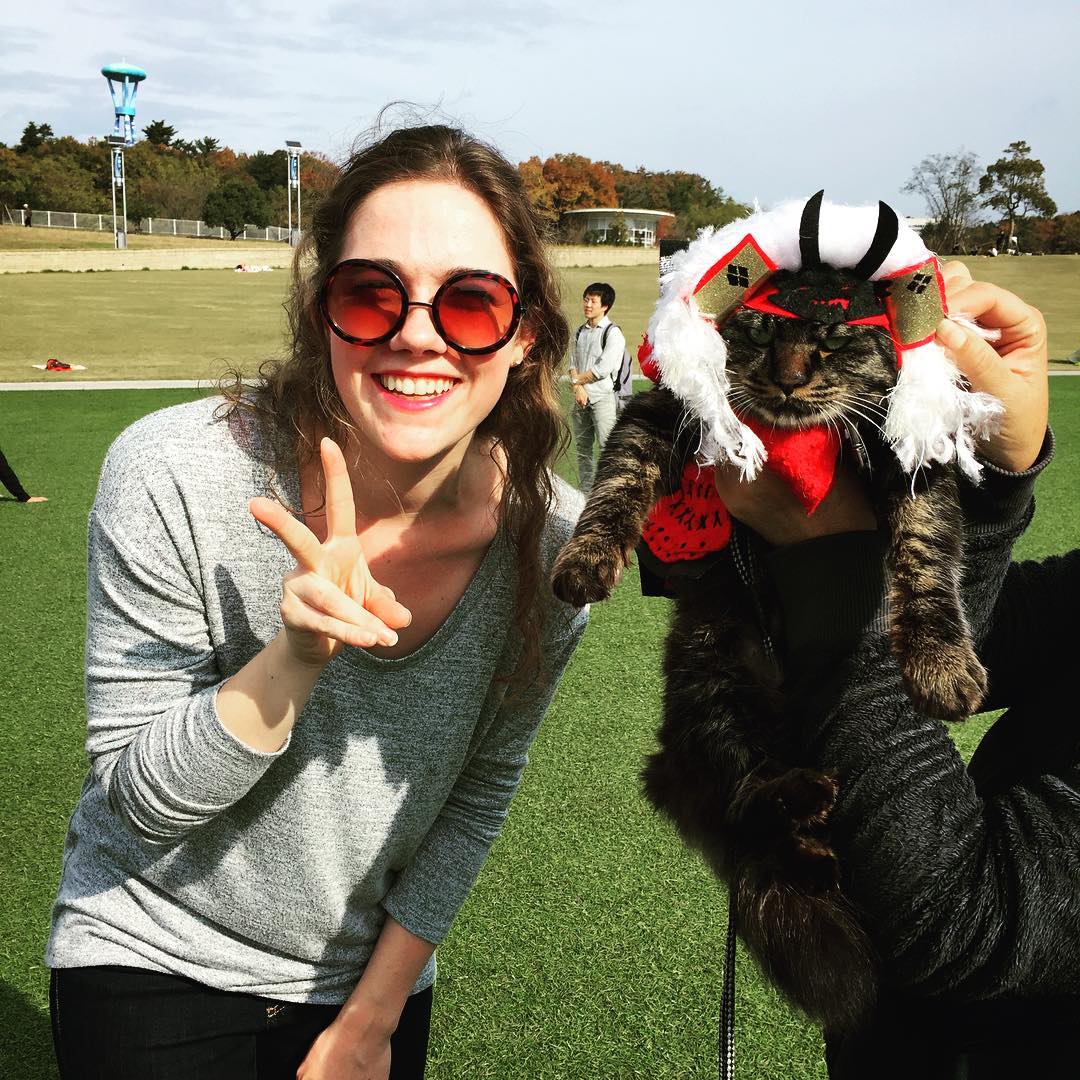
x=727, y=1004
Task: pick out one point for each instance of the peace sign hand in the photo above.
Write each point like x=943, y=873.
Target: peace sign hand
x=330, y=599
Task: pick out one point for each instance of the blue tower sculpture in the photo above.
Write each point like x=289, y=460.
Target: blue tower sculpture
x=123, y=81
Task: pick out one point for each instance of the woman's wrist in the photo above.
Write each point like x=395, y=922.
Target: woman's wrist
x=371, y=1014
x=260, y=703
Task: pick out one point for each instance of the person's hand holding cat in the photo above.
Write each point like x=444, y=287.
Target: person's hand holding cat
x=770, y=508
x=1012, y=368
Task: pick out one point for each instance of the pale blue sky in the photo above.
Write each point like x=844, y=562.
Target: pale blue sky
x=766, y=100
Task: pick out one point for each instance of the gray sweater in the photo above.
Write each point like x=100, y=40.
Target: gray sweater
x=194, y=854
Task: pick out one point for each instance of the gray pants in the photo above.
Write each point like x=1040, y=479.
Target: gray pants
x=592, y=423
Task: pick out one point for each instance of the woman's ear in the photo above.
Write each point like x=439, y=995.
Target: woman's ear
x=523, y=345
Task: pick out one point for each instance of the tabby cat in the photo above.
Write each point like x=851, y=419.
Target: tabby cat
x=727, y=770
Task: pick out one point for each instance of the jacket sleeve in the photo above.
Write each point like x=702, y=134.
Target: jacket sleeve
x=965, y=893
x=430, y=890
x=153, y=736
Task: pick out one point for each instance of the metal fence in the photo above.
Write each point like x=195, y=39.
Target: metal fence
x=68, y=219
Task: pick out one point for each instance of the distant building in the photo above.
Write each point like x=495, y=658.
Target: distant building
x=918, y=223
x=602, y=225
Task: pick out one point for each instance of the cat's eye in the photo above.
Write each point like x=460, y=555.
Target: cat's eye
x=762, y=333
x=833, y=342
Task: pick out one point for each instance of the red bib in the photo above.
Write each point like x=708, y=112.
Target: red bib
x=693, y=522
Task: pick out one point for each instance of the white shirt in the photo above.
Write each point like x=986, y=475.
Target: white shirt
x=602, y=363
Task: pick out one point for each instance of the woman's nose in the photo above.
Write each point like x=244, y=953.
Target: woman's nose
x=418, y=333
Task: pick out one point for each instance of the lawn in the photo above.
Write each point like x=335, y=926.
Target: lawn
x=591, y=946
x=193, y=324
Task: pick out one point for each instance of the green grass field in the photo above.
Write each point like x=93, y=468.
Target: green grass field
x=176, y=324
x=592, y=944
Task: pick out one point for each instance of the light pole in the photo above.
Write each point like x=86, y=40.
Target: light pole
x=293, y=149
x=123, y=80
x=116, y=147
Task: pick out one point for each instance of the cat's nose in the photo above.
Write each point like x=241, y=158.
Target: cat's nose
x=790, y=381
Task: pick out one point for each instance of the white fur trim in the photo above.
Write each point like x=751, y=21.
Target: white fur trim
x=931, y=417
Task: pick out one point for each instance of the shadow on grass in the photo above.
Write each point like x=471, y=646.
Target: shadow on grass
x=26, y=1049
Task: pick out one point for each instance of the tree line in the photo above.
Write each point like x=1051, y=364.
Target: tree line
x=1004, y=207
x=172, y=177
x=166, y=177
x=972, y=209
x=571, y=182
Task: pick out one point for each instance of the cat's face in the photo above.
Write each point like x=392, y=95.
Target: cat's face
x=795, y=373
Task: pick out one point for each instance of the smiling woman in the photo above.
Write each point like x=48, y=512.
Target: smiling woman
x=306, y=723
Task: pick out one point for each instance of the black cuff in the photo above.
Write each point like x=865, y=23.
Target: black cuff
x=832, y=592
x=1003, y=496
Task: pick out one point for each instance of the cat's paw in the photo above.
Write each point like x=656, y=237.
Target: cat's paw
x=810, y=864
x=784, y=818
x=805, y=796
x=946, y=681
x=586, y=570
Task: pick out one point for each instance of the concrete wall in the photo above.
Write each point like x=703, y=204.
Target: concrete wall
x=277, y=255
x=604, y=255
x=204, y=258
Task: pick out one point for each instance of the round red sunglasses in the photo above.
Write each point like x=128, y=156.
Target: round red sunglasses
x=365, y=303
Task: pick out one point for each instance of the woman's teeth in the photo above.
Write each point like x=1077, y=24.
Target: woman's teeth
x=416, y=387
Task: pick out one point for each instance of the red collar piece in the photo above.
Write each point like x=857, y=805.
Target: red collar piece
x=694, y=522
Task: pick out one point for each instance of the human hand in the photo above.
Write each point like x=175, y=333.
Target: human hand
x=1013, y=368
x=330, y=599
x=580, y=396
x=772, y=510
x=341, y=1054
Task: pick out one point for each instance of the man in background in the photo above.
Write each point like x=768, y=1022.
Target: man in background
x=596, y=356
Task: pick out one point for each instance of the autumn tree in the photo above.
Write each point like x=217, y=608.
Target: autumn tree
x=165, y=182
x=577, y=182
x=1014, y=186
x=948, y=185
x=540, y=191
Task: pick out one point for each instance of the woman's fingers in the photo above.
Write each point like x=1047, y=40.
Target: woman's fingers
x=340, y=508
x=377, y=598
x=382, y=602
x=312, y=604
x=295, y=535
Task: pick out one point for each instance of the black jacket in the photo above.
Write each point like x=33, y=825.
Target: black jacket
x=968, y=877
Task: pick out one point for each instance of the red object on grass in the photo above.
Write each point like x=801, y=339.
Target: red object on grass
x=52, y=364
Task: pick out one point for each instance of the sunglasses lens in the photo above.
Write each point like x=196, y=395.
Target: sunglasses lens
x=476, y=311
x=364, y=302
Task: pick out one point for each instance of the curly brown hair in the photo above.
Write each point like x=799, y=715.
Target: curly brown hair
x=299, y=395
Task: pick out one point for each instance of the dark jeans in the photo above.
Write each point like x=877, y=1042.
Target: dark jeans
x=118, y=1023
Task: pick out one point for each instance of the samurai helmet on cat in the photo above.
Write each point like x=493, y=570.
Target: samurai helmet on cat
x=771, y=261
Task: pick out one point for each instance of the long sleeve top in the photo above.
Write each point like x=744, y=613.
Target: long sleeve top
x=967, y=876
x=192, y=853
x=591, y=353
